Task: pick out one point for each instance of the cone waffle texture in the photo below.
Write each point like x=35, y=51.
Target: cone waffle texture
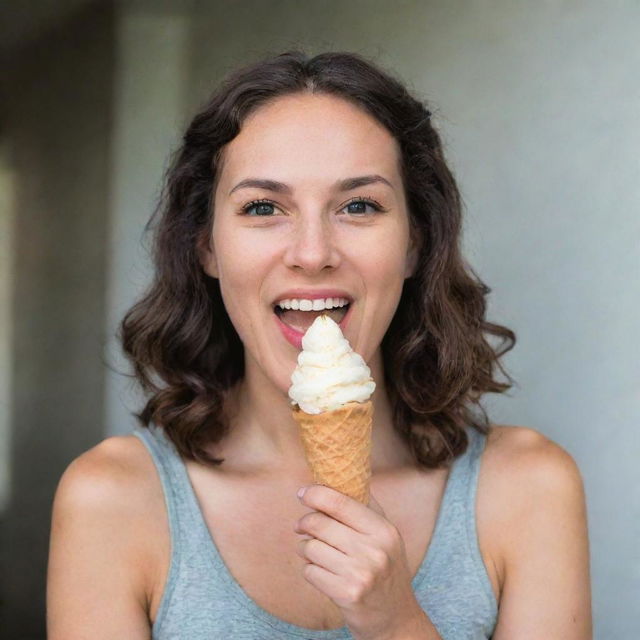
x=338, y=447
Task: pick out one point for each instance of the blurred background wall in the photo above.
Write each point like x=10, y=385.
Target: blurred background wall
x=539, y=106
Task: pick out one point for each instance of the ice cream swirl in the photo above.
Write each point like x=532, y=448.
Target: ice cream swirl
x=329, y=372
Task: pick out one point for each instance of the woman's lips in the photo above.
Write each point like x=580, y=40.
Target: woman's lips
x=294, y=336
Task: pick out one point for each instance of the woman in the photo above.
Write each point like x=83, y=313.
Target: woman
x=306, y=179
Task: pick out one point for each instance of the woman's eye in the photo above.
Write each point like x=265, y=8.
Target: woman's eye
x=262, y=208
x=359, y=206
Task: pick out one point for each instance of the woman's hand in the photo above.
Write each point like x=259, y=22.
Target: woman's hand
x=357, y=558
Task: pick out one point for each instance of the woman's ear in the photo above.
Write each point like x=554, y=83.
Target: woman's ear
x=207, y=256
x=412, y=260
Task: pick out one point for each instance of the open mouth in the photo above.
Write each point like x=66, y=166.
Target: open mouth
x=302, y=320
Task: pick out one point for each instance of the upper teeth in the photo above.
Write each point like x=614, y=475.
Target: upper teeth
x=313, y=305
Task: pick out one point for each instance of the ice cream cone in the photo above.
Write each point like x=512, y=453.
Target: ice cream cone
x=337, y=445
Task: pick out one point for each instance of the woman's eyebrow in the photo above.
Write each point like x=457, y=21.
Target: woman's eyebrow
x=280, y=187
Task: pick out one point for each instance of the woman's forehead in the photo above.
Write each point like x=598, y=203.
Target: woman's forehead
x=311, y=138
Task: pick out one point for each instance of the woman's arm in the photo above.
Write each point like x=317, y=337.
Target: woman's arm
x=97, y=561
x=546, y=592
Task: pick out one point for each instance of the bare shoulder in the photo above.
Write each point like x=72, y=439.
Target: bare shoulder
x=112, y=483
x=117, y=463
x=528, y=458
x=114, y=478
x=100, y=556
x=522, y=468
x=534, y=512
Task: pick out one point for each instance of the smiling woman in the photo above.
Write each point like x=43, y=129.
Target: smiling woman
x=308, y=186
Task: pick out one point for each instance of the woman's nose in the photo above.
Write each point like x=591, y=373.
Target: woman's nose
x=312, y=246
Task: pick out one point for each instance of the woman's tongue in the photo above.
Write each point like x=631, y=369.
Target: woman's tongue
x=302, y=320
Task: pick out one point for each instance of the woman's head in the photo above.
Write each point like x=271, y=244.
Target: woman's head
x=334, y=226
x=437, y=362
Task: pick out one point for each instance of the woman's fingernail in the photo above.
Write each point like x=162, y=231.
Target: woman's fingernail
x=301, y=491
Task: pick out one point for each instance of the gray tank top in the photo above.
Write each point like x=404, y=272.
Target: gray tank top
x=202, y=600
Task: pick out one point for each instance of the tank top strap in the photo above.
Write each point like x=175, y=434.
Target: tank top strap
x=454, y=551
x=187, y=528
x=182, y=509
x=458, y=504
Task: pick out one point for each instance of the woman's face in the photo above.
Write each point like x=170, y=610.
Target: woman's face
x=313, y=235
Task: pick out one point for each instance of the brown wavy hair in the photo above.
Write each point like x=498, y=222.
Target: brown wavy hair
x=437, y=359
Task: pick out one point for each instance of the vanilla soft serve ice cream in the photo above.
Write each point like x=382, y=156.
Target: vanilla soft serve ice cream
x=329, y=373
x=330, y=392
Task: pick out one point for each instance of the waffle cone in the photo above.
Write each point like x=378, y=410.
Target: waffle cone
x=337, y=445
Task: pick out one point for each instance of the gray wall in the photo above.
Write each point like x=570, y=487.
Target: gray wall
x=538, y=104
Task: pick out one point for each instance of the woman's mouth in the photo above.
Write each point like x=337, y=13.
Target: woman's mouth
x=294, y=323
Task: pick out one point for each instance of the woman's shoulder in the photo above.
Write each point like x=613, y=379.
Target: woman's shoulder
x=114, y=482
x=115, y=468
x=112, y=492
x=532, y=509
x=525, y=454
x=527, y=483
